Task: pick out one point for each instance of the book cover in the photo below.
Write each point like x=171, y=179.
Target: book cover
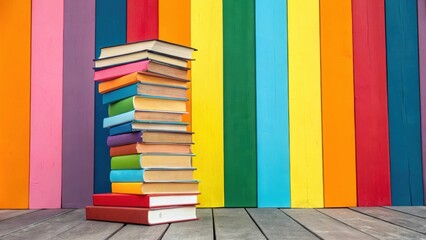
x=149, y=148
x=147, y=103
x=144, y=201
x=147, y=125
x=153, y=160
x=155, y=187
x=152, y=175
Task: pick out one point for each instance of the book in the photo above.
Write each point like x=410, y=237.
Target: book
x=149, y=148
x=147, y=160
x=150, y=136
x=143, y=201
x=148, y=66
x=146, y=216
x=113, y=83
x=155, y=187
x=152, y=175
x=131, y=116
x=145, y=89
x=153, y=45
x=139, y=56
x=148, y=125
x=141, y=103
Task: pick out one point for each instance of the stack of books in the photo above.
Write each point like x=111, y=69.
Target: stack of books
x=145, y=87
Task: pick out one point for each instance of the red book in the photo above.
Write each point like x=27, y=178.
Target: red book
x=143, y=201
x=146, y=216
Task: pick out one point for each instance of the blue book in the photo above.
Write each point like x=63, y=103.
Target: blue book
x=148, y=125
x=153, y=175
x=145, y=89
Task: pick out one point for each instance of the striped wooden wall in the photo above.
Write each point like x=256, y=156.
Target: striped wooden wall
x=294, y=103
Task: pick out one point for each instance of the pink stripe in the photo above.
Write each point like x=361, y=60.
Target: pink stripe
x=46, y=104
x=118, y=71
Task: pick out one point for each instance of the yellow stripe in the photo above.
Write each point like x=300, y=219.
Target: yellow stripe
x=305, y=104
x=207, y=96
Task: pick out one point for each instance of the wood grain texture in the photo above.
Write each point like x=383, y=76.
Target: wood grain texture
x=397, y=218
x=131, y=231
x=273, y=157
x=91, y=230
x=51, y=227
x=207, y=100
x=78, y=107
x=193, y=230
x=324, y=226
x=142, y=20
x=370, y=226
x=421, y=7
x=47, y=38
x=371, y=115
x=337, y=98
x=404, y=102
x=306, y=173
x=235, y=223
x=6, y=214
x=419, y=211
x=109, y=31
x=15, y=25
x=277, y=225
x=239, y=103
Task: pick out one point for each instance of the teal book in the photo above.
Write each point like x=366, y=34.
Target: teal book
x=153, y=175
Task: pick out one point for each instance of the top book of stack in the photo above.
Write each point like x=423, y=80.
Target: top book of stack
x=155, y=50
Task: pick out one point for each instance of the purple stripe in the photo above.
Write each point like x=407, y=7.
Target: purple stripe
x=422, y=68
x=124, y=139
x=78, y=103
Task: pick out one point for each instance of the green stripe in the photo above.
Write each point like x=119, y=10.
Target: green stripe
x=239, y=103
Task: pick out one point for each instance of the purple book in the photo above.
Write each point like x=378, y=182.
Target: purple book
x=123, y=139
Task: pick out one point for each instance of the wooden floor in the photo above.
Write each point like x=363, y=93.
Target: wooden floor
x=234, y=223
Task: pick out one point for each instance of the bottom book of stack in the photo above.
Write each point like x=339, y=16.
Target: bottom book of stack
x=143, y=209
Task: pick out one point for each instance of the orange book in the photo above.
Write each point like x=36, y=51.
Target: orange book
x=155, y=187
x=149, y=148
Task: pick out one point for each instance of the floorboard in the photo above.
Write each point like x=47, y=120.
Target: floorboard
x=324, y=226
x=49, y=228
x=371, y=226
x=22, y=221
x=6, y=214
x=419, y=211
x=194, y=230
x=131, y=231
x=235, y=223
x=417, y=224
x=91, y=230
x=277, y=225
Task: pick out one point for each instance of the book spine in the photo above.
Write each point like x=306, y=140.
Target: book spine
x=113, y=214
x=119, y=119
x=337, y=98
x=127, y=175
x=124, y=128
x=120, y=94
x=273, y=163
x=121, y=70
x=109, y=31
x=371, y=115
x=121, y=200
x=122, y=106
x=305, y=104
x=127, y=188
x=126, y=162
x=239, y=103
x=207, y=105
x=123, y=150
x=123, y=139
x=142, y=20
x=15, y=63
x=421, y=6
x=404, y=102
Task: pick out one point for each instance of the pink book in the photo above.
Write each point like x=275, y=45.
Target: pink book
x=121, y=70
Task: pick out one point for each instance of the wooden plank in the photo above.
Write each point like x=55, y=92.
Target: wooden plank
x=239, y=103
x=306, y=176
x=235, y=223
x=14, y=224
x=277, y=225
x=142, y=20
x=5, y=214
x=371, y=226
x=273, y=157
x=371, y=105
x=109, y=31
x=50, y=228
x=337, y=98
x=207, y=97
x=91, y=230
x=419, y=211
x=324, y=226
x=15, y=25
x=421, y=7
x=201, y=229
x=404, y=103
x=417, y=224
x=78, y=107
x=47, y=36
x=131, y=231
